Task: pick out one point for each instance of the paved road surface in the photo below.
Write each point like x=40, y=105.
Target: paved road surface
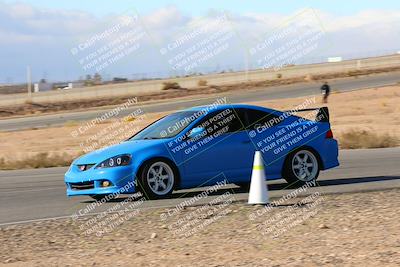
x=277, y=92
x=38, y=194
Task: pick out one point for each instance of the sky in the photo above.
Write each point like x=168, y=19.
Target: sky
x=61, y=40
x=104, y=7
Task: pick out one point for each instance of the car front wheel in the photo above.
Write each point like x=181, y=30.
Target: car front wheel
x=157, y=179
x=301, y=166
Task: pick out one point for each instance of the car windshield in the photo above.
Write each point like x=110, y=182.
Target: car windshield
x=167, y=126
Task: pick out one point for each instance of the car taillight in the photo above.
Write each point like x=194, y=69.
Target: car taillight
x=329, y=134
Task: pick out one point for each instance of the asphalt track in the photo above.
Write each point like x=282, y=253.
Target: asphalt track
x=276, y=92
x=35, y=195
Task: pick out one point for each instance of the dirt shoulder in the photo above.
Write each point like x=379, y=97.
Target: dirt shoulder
x=360, y=119
x=358, y=229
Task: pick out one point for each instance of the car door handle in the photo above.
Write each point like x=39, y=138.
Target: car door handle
x=246, y=141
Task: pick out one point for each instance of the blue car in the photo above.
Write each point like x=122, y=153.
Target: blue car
x=205, y=145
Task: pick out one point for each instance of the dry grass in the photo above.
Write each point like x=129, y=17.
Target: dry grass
x=202, y=83
x=309, y=78
x=355, y=138
x=41, y=160
x=171, y=85
x=29, y=102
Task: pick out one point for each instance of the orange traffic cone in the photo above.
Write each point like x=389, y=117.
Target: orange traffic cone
x=258, y=188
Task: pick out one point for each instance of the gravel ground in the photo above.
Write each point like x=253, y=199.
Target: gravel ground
x=359, y=229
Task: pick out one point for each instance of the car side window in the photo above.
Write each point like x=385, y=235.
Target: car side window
x=256, y=118
x=223, y=121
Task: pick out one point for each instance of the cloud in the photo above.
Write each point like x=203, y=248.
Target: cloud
x=38, y=33
x=166, y=18
x=363, y=19
x=24, y=23
x=20, y=21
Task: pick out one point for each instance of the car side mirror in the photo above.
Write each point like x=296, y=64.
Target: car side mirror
x=197, y=132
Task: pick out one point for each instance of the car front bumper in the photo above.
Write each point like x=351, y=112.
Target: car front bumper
x=80, y=183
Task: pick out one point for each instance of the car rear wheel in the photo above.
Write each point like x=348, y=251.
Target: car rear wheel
x=244, y=186
x=301, y=166
x=157, y=179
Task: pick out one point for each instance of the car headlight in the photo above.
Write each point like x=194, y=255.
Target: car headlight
x=121, y=160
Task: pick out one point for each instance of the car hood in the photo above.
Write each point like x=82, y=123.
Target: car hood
x=128, y=147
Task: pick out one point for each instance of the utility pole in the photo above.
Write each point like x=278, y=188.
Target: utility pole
x=246, y=62
x=29, y=82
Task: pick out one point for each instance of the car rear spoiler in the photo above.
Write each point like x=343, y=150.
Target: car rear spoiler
x=322, y=113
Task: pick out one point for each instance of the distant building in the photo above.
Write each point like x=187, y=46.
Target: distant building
x=120, y=80
x=334, y=59
x=42, y=86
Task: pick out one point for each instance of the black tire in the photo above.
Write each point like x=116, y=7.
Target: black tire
x=146, y=186
x=244, y=186
x=291, y=171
